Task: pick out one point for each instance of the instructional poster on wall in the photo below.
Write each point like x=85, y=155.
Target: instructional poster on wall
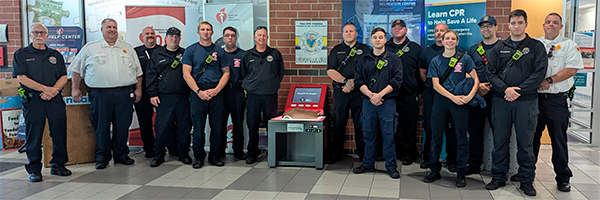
x=369, y=14
x=311, y=42
x=160, y=18
x=460, y=16
x=237, y=15
x=585, y=40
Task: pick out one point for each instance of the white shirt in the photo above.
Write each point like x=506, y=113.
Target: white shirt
x=566, y=54
x=105, y=66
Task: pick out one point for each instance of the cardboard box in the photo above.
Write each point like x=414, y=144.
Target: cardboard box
x=10, y=109
x=8, y=87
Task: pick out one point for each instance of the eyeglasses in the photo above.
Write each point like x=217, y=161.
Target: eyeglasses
x=489, y=26
x=551, y=50
x=39, y=32
x=229, y=35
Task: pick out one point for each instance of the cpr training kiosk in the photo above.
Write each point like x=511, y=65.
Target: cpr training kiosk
x=299, y=142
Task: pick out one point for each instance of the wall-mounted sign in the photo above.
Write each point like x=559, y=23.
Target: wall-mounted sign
x=3, y=59
x=3, y=33
x=311, y=42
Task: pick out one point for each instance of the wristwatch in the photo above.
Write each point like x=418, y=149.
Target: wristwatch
x=345, y=80
x=549, y=79
x=198, y=91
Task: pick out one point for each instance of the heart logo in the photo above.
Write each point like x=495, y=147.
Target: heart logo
x=221, y=16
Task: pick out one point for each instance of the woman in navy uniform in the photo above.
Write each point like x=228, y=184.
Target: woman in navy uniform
x=378, y=75
x=446, y=71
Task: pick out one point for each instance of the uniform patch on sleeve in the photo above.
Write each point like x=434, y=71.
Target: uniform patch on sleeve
x=577, y=49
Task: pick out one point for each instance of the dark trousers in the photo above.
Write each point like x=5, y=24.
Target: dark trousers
x=236, y=104
x=111, y=106
x=554, y=113
x=35, y=112
x=442, y=110
x=523, y=114
x=173, y=111
x=407, y=107
x=428, y=96
x=387, y=117
x=144, y=111
x=267, y=104
x=477, y=117
x=214, y=109
x=342, y=103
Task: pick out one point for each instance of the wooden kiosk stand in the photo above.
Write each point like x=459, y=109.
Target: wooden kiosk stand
x=81, y=140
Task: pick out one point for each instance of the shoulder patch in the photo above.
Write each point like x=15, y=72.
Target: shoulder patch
x=359, y=51
x=270, y=58
x=52, y=60
x=577, y=49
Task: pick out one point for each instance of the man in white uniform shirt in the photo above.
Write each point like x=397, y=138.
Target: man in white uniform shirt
x=564, y=59
x=112, y=71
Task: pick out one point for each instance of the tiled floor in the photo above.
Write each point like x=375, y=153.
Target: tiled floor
x=238, y=180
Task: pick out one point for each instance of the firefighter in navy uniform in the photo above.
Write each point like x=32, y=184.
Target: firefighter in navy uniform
x=478, y=115
x=341, y=63
x=206, y=72
x=516, y=68
x=262, y=69
x=42, y=73
x=379, y=77
x=407, y=102
x=234, y=94
x=143, y=109
x=169, y=94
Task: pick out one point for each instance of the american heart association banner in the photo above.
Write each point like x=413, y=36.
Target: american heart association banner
x=237, y=15
x=311, y=42
x=160, y=18
x=460, y=16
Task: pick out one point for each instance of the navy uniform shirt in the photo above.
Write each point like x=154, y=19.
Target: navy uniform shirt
x=339, y=52
x=480, y=64
x=235, y=72
x=195, y=55
x=165, y=73
x=440, y=64
x=144, y=55
x=429, y=53
x=391, y=73
x=42, y=66
x=410, y=59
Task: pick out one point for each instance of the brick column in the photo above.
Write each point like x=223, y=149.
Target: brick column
x=11, y=15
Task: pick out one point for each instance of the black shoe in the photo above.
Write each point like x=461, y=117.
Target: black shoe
x=451, y=167
x=250, y=160
x=380, y=158
x=514, y=178
x=126, y=161
x=198, y=164
x=362, y=169
x=408, y=161
x=60, y=170
x=393, y=173
x=432, y=177
x=101, y=165
x=149, y=155
x=35, y=177
x=425, y=164
x=156, y=162
x=332, y=159
x=564, y=186
x=495, y=184
x=528, y=189
x=186, y=160
x=216, y=162
x=472, y=170
x=461, y=182
x=241, y=157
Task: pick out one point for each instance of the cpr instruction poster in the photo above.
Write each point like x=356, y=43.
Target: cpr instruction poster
x=369, y=14
x=460, y=16
x=160, y=18
x=237, y=15
x=311, y=42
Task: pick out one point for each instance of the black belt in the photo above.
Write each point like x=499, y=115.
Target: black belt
x=206, y=86
x=550, y=95
x=233, y=85
x=115, y=89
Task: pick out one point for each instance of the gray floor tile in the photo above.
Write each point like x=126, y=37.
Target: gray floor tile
x=320, y=197
x=174, y=192
x=270, y=186
x=202, y=193
x=299, y=179
x=591, y=194
x=135, y=197
x=20, y=194
x=422, y=193
x=586, y=187
x=381, y=198
x=299, y=188
x=245, y=184
x=147, y=190
x=344, y=197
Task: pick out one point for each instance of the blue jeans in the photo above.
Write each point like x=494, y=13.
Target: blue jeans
x=387, y=117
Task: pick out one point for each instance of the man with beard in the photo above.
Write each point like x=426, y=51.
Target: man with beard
x=143, y=108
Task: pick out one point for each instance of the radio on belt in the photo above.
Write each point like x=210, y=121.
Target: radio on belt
x=299, y=142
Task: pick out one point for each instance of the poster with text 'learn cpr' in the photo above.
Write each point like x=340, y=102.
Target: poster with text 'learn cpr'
x=460, y=16
x=160, y=18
